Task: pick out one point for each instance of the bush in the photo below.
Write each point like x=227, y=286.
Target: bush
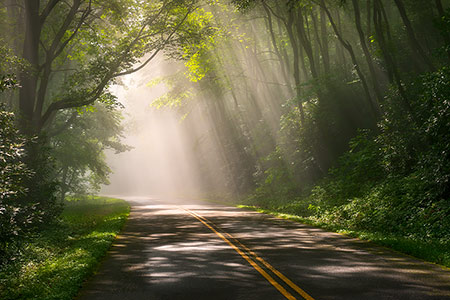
x=26, y=193
x=397, y=182
x=13, y=214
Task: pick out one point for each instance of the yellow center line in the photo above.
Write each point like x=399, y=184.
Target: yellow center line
x=295, y=287
x=275, y=271
x=248, y=259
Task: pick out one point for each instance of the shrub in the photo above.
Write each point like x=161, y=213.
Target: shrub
x=26, y=191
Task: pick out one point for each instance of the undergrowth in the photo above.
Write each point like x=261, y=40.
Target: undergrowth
x=54, y=263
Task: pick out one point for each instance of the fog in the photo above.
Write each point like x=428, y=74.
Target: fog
x=160, y=162
x=209, y=144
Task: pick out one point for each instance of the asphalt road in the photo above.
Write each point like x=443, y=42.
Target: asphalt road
x=173, y=249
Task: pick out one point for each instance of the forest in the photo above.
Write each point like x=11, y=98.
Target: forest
x=335, y=111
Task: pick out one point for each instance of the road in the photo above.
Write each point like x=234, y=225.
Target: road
x=173, y=249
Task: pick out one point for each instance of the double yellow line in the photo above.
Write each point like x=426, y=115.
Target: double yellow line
x=251, y=257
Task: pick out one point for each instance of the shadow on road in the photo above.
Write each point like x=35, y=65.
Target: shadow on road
x=164, y=253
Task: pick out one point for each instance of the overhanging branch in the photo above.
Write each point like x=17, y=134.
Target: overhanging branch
x=70, y=102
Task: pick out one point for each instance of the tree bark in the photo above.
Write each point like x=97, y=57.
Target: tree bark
x=441, y=14
x=367, y=55
x=369, y=19
x=439, y=8
x=295, y=51
x=283, y=49
x=418, y=52
x=324, y=35
x=393, y=74
x=50, y=56
x=339, y=48
x=349, y=49
x=306, y=43
x=274, y=43
x=29, y=79
x=317, y=37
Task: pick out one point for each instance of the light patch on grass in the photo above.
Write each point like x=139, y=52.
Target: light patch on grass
x=435, y=251
x=55, y=263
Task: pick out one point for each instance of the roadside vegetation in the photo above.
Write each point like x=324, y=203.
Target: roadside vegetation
x=58, y=60
x=431, y=250
x=54, y=262
x=390, y=187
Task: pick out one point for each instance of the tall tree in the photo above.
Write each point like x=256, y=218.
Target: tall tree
x=418, y=52
x=116, y=33
x=367, y=55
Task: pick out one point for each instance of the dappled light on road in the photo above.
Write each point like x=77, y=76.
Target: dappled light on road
x=164, y=253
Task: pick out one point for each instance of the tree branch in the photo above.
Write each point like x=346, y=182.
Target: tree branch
x=85, y=14
x=273, y=13
x=140, y=67
x=70, y=102
x=47, y=10
x=64, y=126
x=156, y=51
x=62, y=30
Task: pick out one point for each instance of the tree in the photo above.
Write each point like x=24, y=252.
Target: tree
x=76, y=49
x=79, y=149
x=12, y=176
x=26, y=195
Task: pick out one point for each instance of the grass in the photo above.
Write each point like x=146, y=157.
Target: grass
x=54, y=263
x=435, y=251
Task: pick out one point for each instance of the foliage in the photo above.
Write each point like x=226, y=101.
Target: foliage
x=55, y=262
x=73, y=54
x=396, y=182
x=79, y=150
x=27, y=191
x=76, y=50
x=13, y=214
x=9, y=63
x=433, y=250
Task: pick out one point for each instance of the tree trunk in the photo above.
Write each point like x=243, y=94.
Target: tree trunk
x=15, y=17
x=439, y=8
x=306, y=43
x=349, y=49
x=29, y=80
x=441, y=14
x=418, y=52
x=362, y=39
x=324, y=35
x=339, y=48
x=369, y=20
x=283, y=49
x=317, y=37
x=306, y=74
x=391, y=66
x=295, y=51
x=274, y=44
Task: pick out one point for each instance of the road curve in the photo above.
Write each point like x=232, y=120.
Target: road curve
x=175, y=249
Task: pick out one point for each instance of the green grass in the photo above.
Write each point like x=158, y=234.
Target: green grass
x=54, y=263
x=435, y=251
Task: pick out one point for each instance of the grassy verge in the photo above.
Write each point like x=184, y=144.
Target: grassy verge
x=54, y=263
x=435, y=251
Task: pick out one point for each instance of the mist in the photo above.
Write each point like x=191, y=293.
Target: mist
x=160, y=161
x=205, y=144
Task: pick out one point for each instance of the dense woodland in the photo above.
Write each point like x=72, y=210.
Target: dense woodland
x=337, y=110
